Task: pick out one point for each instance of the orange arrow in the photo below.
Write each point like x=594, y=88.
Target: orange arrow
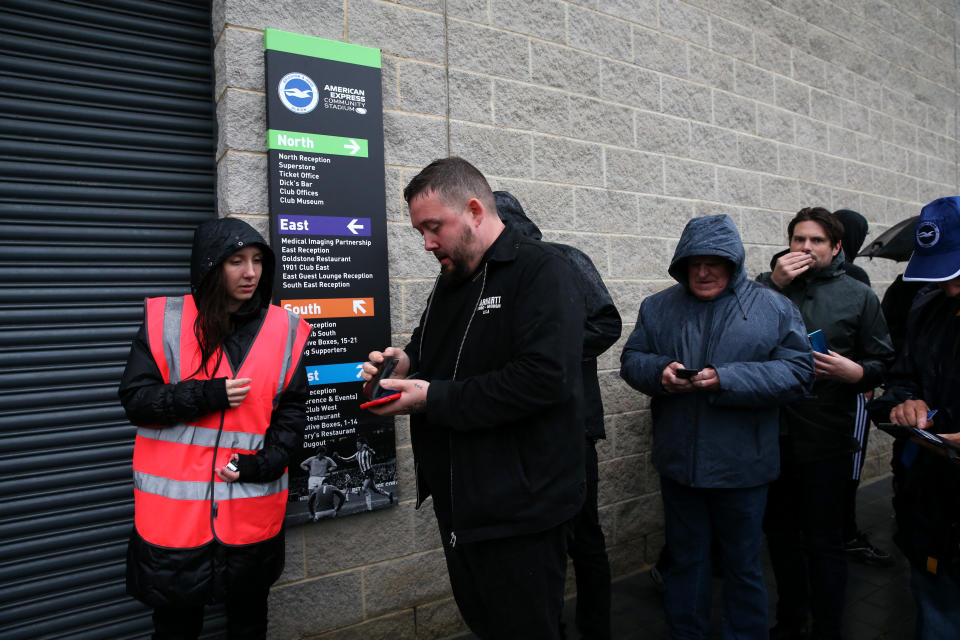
x=330, y=307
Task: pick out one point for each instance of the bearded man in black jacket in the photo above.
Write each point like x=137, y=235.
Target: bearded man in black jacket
x=493, y=383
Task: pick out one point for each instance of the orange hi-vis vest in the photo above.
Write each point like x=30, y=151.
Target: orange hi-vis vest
x=180, y=502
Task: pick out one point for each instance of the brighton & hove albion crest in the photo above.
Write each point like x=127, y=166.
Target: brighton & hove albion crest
x=928, y=233
x=298, y=92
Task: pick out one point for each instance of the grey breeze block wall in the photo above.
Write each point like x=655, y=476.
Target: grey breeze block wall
x=614, y=122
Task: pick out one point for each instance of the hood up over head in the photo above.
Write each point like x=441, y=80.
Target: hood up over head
x=709, y=236
x=854, y=231
x=217, y=240
x=511, y=213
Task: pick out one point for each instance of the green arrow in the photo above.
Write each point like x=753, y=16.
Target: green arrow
x=316, y=143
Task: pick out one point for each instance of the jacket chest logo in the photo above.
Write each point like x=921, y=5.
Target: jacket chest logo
x=488, y=304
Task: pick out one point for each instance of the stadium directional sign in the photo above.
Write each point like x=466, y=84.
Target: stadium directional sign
x=328, y=229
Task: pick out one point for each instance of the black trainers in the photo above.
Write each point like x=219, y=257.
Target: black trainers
x=860, y=550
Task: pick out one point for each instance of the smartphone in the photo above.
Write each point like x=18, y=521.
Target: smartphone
x=232, y=466
x=818, y=342
x=373, y=390
x=686, y=374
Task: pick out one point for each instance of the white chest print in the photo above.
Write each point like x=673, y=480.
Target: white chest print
x=488, y=304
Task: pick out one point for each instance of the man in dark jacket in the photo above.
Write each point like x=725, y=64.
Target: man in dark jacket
x=587, y=545
x=718, y=354
x=927, y=485
x=496, y=403
x=804, y=520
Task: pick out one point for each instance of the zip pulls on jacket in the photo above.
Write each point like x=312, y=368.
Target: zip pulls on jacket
x=456, y=367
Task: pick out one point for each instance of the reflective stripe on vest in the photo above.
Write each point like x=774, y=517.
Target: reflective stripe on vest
x=180, y=502
x=180, y=490
x=188, y=434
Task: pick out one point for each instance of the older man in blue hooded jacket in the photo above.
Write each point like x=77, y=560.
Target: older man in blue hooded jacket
x=718, y=354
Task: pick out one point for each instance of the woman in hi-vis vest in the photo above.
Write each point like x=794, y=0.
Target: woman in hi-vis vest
x=216, y=386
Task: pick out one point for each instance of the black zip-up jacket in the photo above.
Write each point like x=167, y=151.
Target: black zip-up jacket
x=820, y=426
x=500, y=446
x=180, y=577
x=603, y=323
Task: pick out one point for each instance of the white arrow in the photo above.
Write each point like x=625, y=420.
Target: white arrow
x=353, y=146
x=353, y=226
x=359, y=371
x=359, y=305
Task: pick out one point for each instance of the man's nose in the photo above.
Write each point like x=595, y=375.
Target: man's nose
x=429, y=244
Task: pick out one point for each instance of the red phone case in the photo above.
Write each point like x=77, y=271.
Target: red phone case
x=383, y=400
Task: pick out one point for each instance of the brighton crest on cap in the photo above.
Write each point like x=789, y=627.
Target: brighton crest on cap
x=936, y=245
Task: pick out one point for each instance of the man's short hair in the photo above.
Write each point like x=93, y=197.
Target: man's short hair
x=454, y=180
x=831, y=226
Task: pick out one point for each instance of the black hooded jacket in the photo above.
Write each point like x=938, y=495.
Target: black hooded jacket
x=160, y=576
x=854, y=233
x=603, y=324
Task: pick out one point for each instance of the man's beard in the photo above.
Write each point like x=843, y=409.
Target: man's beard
x=459, y=256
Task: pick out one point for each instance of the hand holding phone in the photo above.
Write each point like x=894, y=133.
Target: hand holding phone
x=372, y=389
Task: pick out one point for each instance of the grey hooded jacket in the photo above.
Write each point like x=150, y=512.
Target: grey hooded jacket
x=752, y=337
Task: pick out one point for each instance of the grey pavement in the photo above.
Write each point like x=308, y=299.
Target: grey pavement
x=879, y=605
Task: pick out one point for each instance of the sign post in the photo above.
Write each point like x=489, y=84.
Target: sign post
x=328, y=229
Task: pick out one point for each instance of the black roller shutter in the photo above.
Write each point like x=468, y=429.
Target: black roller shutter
x=107, y=153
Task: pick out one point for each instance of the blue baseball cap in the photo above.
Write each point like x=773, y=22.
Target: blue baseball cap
x=936, y=243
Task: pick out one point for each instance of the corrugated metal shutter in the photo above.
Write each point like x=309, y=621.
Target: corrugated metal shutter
x=106, y=165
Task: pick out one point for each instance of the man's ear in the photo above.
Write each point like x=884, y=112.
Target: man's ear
x=836, y=249
x=476, y=211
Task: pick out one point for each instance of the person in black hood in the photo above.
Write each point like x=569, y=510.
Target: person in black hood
x=215, y=383
x=496, y=404
x=857, y=544
x=587, y=546
x=855, y=229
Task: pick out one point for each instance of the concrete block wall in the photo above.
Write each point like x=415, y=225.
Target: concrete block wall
x=613, y=122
